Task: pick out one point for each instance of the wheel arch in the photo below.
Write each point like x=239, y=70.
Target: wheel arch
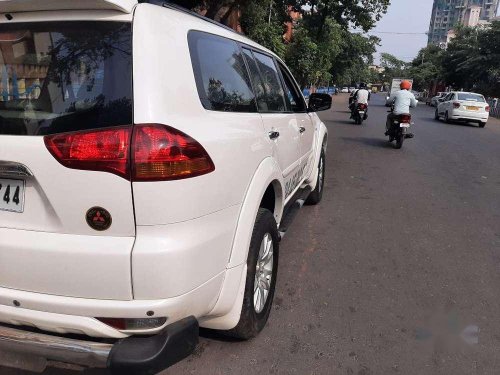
x=266, y=181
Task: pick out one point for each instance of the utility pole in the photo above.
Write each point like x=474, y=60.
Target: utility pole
x=423, y=56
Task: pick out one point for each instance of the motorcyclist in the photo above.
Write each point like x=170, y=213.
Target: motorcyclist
x=402, y=101
x=360, y=96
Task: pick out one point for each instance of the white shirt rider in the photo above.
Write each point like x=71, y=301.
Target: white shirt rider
x=362, y=96
x=403, y=100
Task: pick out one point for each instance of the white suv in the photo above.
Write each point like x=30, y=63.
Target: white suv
x=150, y=162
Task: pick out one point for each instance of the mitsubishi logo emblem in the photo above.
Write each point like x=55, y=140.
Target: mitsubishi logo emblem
x=98, y=218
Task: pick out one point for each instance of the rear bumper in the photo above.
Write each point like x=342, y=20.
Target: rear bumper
x=469, y=116
x=136, y=355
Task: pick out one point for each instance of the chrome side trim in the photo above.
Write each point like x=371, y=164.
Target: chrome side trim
x=13, y=169
x=39, y=346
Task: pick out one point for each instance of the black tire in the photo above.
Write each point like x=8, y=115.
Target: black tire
x=251, y=322
x=482, y=124
x=399, y=140
x=436, y=115
x=317, y=194
x=446, y=118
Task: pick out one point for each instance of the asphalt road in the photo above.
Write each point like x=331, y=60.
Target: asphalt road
x=397, y=271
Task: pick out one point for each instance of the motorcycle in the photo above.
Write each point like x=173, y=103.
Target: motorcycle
x=399, y=129
x=359, y=114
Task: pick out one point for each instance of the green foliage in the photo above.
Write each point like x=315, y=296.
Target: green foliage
x=356, y=54
x=426, y=67
x=360, y=14
x=472, y=60
x=322, y=48
x=255, y=22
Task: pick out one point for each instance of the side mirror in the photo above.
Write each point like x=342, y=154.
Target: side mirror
x=319, y=102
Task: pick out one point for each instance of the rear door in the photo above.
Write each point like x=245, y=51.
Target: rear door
x=295, y=103
x=64, y=231
x=281, y=125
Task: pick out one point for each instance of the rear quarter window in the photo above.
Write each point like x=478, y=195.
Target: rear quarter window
x=220, y=72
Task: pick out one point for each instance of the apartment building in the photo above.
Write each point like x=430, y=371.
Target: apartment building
x=446, y=14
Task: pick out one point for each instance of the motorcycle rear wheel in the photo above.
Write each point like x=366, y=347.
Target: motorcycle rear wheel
x=399, y=141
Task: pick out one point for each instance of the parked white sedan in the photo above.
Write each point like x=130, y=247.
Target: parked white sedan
x=463, y=106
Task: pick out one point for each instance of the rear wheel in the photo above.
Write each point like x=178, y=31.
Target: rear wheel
x=262, y=269
x=446, y=117
x=482, y=124
x=317, y=194
x=399, y=140
x=436, y=115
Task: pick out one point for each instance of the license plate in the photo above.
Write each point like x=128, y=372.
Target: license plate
x=361, y=112
x=11, y=195
x=472, y=108
x=404, y=125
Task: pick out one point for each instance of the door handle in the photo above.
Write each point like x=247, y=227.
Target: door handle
x=274, y=134
x=302, y=129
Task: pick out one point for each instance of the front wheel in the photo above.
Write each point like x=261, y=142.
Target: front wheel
x=262, y=270
x=317, y=194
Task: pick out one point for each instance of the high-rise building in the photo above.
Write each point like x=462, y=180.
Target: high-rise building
x=446, y=14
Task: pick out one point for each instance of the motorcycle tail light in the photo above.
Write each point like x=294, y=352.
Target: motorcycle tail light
x=405, y=118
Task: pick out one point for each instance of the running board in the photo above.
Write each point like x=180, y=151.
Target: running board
x=292, y=208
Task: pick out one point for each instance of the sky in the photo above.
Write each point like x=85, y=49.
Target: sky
x=404, y=16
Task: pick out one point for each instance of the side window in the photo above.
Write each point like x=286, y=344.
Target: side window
x=275, y=98
x=293, y=99
x=220, y=73
x=258, y=85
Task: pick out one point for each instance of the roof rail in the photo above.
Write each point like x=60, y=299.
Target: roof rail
x=169, y=5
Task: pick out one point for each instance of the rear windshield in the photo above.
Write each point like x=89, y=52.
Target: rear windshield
x=471, y=97
x=64, y=76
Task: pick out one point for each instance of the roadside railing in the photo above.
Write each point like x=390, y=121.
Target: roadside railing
x=494, y=109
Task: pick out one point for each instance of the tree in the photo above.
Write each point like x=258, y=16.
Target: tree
x=356, y=54
x=347, y=13
x=264, y=24
x=472, y=59
x=394, y=67
x=322, y=46
x=426, y=67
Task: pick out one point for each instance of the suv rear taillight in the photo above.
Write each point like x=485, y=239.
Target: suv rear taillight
x=144, y=152
x=456, y=105
x=104, y=150
x=162, y=153
x=487, y=108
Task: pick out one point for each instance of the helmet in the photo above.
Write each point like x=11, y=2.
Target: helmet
x=362, y=85
x=405, y=85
